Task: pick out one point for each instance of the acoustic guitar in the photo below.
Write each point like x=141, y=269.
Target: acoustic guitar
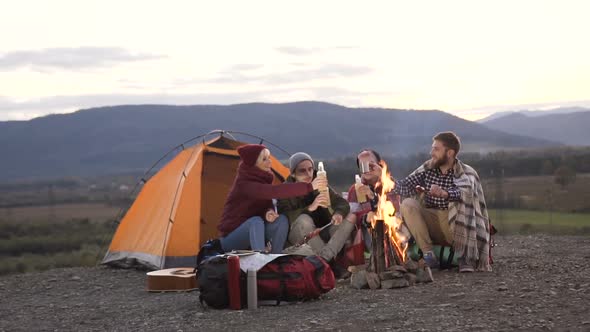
x=181, y=279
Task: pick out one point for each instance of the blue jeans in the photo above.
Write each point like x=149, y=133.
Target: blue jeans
x=255, y=232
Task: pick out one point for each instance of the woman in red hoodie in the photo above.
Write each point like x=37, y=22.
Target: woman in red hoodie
x=249, y=219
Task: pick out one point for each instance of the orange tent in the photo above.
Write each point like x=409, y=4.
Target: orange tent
x=179, y=208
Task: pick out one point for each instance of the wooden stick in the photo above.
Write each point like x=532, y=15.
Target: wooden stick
x=379, y=249
x=389, y=252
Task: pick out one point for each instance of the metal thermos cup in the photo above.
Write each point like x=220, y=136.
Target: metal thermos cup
x=252, y=290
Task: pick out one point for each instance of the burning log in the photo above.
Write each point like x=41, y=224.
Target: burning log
x=389, y=266
x=378, y=253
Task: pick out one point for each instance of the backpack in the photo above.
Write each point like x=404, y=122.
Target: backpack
x=287, y=278
x=212, y=281
x=211, y=248
x=295, y=278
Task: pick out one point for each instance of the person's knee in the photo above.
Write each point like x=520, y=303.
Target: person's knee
x=256, y=223
x=351, y=218
x=256, y=230
x=409, y=204
x=282, y=222
x=304, y=223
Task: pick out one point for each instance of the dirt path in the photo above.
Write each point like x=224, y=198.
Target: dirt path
x=538, y=283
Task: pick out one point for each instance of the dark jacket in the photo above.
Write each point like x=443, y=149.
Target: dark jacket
x=294, y=207
x=251, y=195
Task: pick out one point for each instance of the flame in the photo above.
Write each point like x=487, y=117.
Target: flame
x=386, y=212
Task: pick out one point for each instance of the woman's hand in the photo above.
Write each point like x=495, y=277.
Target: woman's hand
x=320, y=200
x=271, y=215
x=319, y=183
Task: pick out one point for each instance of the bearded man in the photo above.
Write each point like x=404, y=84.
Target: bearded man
x=451, y=210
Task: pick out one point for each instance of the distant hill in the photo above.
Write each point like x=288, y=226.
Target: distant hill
x=130, y=138
x=560, y=110
x=568, y=128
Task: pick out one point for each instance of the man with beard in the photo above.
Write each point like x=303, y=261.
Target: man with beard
x=452, y=208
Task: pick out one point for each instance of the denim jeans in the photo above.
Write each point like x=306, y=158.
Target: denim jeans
x=255, y=232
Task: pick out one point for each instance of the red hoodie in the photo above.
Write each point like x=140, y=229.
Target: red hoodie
x=251, y=195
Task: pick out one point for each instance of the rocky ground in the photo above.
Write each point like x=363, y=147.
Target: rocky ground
x=538, y=283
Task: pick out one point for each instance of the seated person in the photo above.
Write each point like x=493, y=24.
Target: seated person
x=249, y=219
x=365, y=207
x=310, y=211
x=453, y=212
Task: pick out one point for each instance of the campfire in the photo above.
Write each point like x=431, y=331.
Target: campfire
x=389, y=265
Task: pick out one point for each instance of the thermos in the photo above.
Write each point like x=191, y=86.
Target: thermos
x=324, y=190
x=252, y=290
x=233, y=282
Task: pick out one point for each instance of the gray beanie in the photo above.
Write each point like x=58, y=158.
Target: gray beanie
x=297, y=158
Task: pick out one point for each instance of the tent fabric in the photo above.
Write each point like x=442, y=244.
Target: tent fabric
x=179, y=208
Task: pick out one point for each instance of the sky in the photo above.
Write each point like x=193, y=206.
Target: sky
x=467, y=58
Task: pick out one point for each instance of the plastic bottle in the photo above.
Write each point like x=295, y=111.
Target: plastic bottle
x=361, y=198
x=324, y=190
x=233, y=282
x=252, y=290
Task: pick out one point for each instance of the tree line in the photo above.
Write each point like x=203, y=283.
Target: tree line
x=563, y=163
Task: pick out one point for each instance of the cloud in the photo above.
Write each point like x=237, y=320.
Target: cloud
x=303, y=51
x=71, y=58
x=322, y=72
x=326, y=71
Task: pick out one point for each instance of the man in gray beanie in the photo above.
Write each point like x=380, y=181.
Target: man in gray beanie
x=297, y=158
x=306, y=213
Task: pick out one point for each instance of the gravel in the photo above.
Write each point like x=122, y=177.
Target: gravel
x=539, y=282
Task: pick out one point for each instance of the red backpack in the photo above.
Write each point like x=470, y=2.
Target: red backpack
x=295, y=278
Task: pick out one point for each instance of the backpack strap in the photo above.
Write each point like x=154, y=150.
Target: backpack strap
x=281, y=276
x=448, y=264
x=319, y=268
x=203, y=305
x=317, y=263
x=493, y=231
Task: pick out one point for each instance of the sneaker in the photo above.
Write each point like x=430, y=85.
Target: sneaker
x=465, y=266
x=431, y=260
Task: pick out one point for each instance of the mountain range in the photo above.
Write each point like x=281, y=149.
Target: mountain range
x=569, y=128
x=535, y=113
x=130, y=138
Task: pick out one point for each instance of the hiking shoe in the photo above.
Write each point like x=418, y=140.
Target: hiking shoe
x=431, y=260
x=465, y=266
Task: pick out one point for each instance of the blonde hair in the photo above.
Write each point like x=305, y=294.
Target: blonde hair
x=263, y=154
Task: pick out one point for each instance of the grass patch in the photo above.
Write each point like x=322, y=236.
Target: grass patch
x=36, y=246
x=527, y=221
x=539, y=193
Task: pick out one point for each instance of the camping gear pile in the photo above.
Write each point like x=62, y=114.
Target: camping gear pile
x=178, y=210
x=287, y=278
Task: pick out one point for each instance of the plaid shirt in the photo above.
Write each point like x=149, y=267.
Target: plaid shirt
x=407, y=187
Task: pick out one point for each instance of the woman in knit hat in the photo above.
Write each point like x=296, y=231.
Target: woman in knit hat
x=308, y=212
x=249, y=219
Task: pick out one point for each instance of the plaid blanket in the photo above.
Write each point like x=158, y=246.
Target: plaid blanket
x=468, y=218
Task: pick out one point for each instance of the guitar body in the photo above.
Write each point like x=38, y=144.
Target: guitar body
x=180, y=279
